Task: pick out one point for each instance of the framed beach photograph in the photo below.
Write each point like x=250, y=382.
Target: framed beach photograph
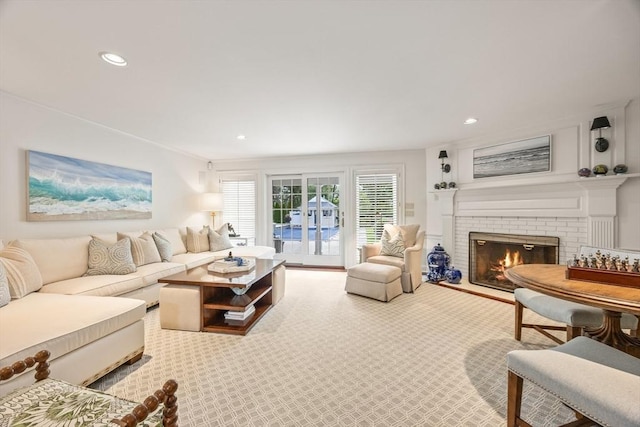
x=63, y=188
x=513, y=158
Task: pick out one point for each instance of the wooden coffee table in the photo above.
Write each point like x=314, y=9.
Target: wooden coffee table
x=217, y=296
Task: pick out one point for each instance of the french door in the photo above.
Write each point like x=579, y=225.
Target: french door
x=307, y=219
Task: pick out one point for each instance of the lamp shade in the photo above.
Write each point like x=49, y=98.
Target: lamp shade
x=211, y=202
x=600, y=123
x=443, y=154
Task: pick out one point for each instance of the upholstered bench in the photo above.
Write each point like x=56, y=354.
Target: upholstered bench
x=598, y=381
x=378, y=281
x=575, y=316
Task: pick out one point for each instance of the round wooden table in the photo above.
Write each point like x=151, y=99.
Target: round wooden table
x=550, y=279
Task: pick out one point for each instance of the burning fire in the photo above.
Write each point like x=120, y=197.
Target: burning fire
x=508, y=261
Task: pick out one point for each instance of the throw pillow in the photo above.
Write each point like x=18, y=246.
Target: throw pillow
x=110, y=259
x=22, y=272
x=219, y=239
x=409, y=232
x=164, y=247
x=392, y=245
x=197, y=240
x=143, y=249
x=5, y=295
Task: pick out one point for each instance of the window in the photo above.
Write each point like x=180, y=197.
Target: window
x=376, y=205
x=240, y=206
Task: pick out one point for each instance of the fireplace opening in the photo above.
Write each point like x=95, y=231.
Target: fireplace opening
x=490, y=254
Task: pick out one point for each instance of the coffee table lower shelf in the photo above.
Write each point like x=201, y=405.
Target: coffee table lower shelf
x=214, y=321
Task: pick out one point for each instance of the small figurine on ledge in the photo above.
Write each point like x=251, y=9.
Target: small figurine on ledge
x=232, y=232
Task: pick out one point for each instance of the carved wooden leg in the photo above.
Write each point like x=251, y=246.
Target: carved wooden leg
x=573, y=331
x=518, y=318
x=611, y=333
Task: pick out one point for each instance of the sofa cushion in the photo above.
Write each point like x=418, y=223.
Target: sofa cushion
x=58, y=259
x=21, y=270
x=150, y=273
x=143, y=248
x=197, y=240
x=110, y=259
x=5, y=295
x=409, y=232
x=99, y=285
x=164, y=247
x=219, y=239
x=86, y=319
x=173, y=235
x=195, y=260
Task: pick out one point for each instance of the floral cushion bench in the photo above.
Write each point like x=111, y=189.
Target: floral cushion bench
x=53, y=403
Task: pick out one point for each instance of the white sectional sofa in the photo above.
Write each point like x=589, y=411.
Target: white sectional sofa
x=84, y=321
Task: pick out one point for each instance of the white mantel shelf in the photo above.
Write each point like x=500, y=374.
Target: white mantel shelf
x=550, y=180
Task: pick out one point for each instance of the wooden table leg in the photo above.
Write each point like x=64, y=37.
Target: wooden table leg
x=611, y=333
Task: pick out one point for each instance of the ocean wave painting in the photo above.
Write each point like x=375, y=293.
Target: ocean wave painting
x=526, y=156
x=65, y=188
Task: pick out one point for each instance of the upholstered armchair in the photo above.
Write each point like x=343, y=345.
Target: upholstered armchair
x=410, y=263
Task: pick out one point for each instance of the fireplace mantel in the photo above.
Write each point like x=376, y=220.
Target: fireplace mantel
x=593, y=198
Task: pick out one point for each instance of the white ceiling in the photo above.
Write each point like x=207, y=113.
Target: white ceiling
x=309, y=77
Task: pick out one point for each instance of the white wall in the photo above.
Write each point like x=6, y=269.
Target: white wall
x=412, y=162
x=27, y=126
x=572, y=148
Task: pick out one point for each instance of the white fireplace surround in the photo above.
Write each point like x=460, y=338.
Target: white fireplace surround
x=580, y=211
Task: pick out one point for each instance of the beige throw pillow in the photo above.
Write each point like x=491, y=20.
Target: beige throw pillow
x=219, y=239
x=143, y=249
x=392, y=245
x=5, y=295
x=164, y=247
x=197, y=240
x=23, y=276
x=110, y=259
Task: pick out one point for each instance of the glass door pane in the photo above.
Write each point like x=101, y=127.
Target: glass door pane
x=307, y=219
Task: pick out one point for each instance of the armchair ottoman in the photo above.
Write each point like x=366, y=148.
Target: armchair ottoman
x=377, y=281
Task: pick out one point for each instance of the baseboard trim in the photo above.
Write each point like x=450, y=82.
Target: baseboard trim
x=469, y=291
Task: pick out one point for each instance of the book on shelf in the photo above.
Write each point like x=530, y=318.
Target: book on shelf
x=240, y=315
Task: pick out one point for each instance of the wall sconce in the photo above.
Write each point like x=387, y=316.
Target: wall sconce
x=601, y=123
x=212, y=202
x=446, y=168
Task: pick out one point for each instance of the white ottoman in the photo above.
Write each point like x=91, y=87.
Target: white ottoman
x=378, y=281
x=180, y=307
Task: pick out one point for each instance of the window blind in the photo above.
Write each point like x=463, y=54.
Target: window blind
x=376, y=205
x=240, y=206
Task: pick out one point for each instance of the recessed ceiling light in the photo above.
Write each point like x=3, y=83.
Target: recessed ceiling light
x=113, y=59
x=470, y=121
x=241, y=137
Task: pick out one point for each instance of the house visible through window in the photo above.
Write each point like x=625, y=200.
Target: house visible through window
x=376, y=205
x=240, y=207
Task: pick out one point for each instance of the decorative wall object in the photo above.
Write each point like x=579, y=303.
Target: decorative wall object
x=512, y=158
x=64, y=188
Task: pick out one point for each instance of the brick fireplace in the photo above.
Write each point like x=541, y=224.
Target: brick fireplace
x=573, y=212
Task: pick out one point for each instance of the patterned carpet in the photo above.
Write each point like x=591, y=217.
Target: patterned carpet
x=322, y=357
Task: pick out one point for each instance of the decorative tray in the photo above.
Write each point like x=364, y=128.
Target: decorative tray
x=234, y=265
x=607, y=277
